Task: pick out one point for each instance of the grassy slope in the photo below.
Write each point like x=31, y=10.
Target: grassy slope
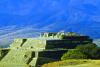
x=74, y=63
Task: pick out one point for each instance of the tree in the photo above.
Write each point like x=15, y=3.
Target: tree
x=73, y=54
x=91, y=50
x=87, y=51
x=95, y=54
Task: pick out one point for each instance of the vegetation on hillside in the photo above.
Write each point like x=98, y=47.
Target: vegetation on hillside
x=81, y=56
x=88, y=51
x=74, y=54
x=3, y=52
x=91, y=50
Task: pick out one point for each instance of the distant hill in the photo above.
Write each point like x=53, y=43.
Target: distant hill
x=97, y=41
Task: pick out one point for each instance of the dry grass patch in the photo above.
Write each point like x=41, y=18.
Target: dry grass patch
x=74, y=63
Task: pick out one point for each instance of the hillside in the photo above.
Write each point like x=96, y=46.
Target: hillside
x=74, y=63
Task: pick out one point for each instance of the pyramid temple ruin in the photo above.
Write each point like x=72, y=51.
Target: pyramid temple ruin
x=33, y=52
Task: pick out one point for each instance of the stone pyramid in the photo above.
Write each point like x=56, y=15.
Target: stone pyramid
x=33, y=52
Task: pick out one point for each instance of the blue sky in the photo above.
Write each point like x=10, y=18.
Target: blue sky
x=54, y=15
x=25, y=11
x=30, y=12
x=27, y=18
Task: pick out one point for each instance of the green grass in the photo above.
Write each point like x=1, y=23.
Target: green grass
x=74, y=63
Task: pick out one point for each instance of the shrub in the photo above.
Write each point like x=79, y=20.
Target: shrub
x=91, y=50
x=74, y=54
x=87, y=51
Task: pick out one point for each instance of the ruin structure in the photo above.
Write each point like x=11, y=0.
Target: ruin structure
x=34, y=52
